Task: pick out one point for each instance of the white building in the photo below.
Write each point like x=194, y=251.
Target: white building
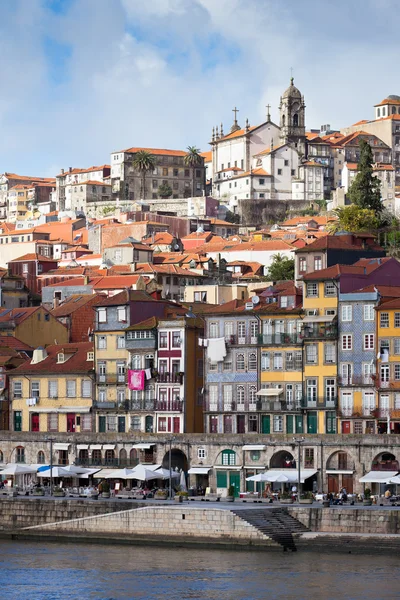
x=71, y=193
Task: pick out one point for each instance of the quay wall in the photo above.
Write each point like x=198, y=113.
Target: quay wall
x=19, y=513
x=342, y=520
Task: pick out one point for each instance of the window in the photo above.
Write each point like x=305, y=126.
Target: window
x=317, y=263
x=312, y=290
x=212, y=366
x=311, y=389
x=35, y=389
x=136, y=362
x=120, y=342
x=201, y=453
x=302, y=265
x=397, y=372
x=240, y=394
x=213, y=330
x=265, y=361
x=396, y=345
x=309, y=458
x=397, y=319
x=384, y=320
x=121, y=310
x=86, y=422
x=261, y=181
x=86, y=388
x=369, y=312
x=347, y=341
x=163, y=340
x=102, y=315
x=228, y=458
x=293, y=172
x=52, y=422
x=252, y=394
x=330, y=353
x=252, y=365
x=278, y=361
x=25, y=267
x=214, y=424
x=330, y=422
x=227, y=362
x=278, y=423
x=240, y=362
x=347, y=312
x=176, y=339
x=312, y=354
x=385, y=373
x=71, y=388
x=330, y=289
x=20, y=454
x=330, y=390
x=279, y=171
x=101, y=342
x=369, y=341
x=17, y=389
x=241, y=331
x=53, y=389
x=200, y=296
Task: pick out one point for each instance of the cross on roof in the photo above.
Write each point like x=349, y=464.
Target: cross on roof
x=235, y=110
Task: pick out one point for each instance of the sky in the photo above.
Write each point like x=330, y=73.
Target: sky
x=83, y=78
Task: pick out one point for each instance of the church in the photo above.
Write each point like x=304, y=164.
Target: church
x=266, y=161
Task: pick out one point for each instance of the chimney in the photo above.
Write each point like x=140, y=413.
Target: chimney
x=56, y=302
x=70, y=169
x=62, y=171
x=39, y=354
x=133, y=267
x=86, y=280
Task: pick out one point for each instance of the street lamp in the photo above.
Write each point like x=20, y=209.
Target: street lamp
x=51, y=440
x=170, y=466
x=298, y=441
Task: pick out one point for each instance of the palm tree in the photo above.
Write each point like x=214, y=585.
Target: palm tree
x=144, y=162
x=193, y=160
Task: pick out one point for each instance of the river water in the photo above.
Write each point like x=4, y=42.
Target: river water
x=38, y=571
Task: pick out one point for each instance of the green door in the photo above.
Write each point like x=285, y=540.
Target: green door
x=234, y=480
x=330, y=422
x=265, y=424
x=299, y=424
x=17, y=420
x=102, y=424
x=121, y=424
x=222, y=479
x=312, y=426
x=289, y=424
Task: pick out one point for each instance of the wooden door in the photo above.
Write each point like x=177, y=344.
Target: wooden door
x=241, y=424
x=345, y=426
x=299, y=424
x=121, y=424
x=333, y=484
x=222, y=479
x=265, y=424
x=176, y=424
x=34, y=422
x=289, y=424
x=102, y=424
x=71, y=417
x=347, y=482
x=312, y=425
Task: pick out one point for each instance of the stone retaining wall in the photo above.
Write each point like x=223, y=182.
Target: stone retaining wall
x=17, y=513
x=332, y=520
x=169, y=522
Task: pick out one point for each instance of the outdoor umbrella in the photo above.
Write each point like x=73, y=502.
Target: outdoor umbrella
x=119, y=474
x=142, y=474
x=258, y=477
x=165, y=474
x=56, y=472
x=183, y=482
x=16, y=469
x=281, y=478
x=395, y=479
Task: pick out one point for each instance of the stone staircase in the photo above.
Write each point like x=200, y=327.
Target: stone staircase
x=275, y=523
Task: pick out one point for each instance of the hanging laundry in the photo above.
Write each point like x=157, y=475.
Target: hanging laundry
x=216, y=350
x=148, y=373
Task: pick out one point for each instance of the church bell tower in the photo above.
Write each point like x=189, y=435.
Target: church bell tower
x=292, y=117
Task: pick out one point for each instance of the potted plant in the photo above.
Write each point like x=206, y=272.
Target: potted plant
x=306, y=498
x=367, y=501
x=161, y=495
x=38, y=491
x=58, y=492
x=231, y=494
x=105, y=489
x=286, y=498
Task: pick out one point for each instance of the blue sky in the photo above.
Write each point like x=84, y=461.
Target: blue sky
x=83, y=78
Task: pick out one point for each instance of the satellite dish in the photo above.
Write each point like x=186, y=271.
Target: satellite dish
x=255, y=300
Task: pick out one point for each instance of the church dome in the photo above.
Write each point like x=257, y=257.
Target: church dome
x=292, y=91
x=393, y=97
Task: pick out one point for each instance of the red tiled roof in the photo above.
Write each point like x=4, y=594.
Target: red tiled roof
x=207, y=156
x=127, y=296
x=33, y=256
x=74, y=303
x=8, y=341
x=18, y=314
x=163, y=269
x=89, y=170
x=336, y=242
x=156, y=151
x=77, y=363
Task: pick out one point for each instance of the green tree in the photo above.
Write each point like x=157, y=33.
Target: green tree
x=232, y=217
x=365, y=191
x=165, y=190
x=353, y=219
x=193, y=160
x=144, y=162
x=281, y=268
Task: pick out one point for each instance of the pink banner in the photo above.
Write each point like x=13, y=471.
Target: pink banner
x=136, y=380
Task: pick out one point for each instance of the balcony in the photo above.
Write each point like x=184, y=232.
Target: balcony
x=356, y=380
x=234, y=340
x=146, y=405
x=111, y=378
x=279, y=339
x=314, y=331
x=280, y=405
x=140, y=344
x=170, y=378
x=169, y=405
x=385, y=385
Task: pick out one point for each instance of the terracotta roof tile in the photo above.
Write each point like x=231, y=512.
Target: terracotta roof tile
x=77, y=363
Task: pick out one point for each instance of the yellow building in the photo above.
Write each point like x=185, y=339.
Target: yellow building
x=52, y=392
x=319, y=330
x=387, y=380
x=26, y=323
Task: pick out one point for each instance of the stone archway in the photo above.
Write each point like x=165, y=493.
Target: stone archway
x=340, y=469
x=178, y=460
x=282, y=460
x=385, y=461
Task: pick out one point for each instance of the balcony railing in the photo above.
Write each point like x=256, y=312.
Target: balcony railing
x=356, y=380
x=142, y=343
x=235, y=340
x=111, y=378
x=384, y=385
x=319, y=332
x=170, y=378
x=279, y=339
x=280, y=405
x=169, y=405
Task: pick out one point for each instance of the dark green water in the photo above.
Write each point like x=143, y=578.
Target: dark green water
x=36, y=571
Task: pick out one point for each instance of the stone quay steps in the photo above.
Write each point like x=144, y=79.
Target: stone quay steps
x=276, y=523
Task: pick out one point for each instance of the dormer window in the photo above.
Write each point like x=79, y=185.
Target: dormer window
x=122, y=314
x=90, y=356
x=60, y=357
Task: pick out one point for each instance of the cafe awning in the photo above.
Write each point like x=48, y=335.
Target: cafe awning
x=59, y=446
x=270, y=392
x=253, y=447
x=80, y=410
x=292, y=475
x=339, y=472
x=96, y=446
x=108, y=446
x=199, y=470
x=82, y=447
x=142, y=446
x=103, y=473
x=319, y=319
x=378, y=477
